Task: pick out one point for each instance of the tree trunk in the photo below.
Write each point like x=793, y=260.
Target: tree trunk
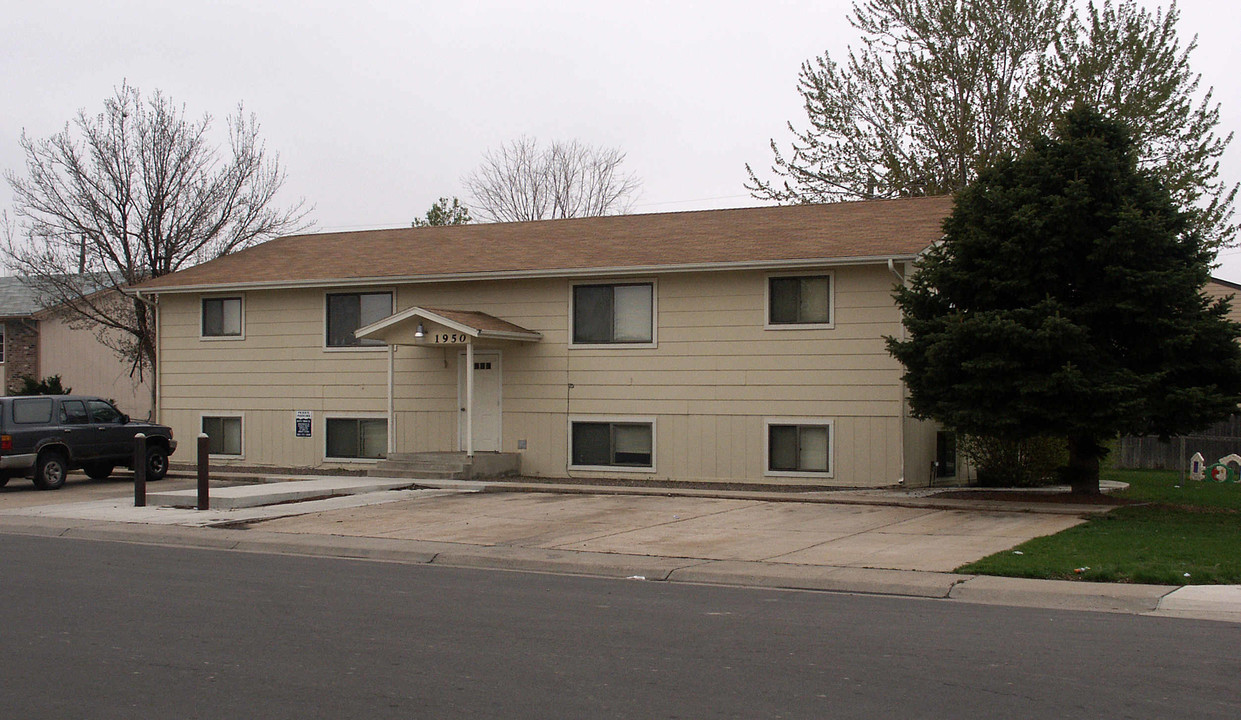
x=1083, y=469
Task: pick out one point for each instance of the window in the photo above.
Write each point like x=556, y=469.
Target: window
x=799, y=300
x=348, y=312
x=222, y=317
x=604, y=314
x=223, y=435
x=73, y=412
x=357, y=437
x=32, y=411
x=102, y=412
x=613, y=444
x=799, y=448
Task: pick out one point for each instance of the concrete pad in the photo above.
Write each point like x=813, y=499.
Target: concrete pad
x=931, y=553
x=1060, y=594
x=243, y=496
x=813, y=577
x=699, y=538
x=1206, y=602
x=835, y=520
x=976, y=523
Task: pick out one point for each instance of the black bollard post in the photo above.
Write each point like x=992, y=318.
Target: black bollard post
x=140, y=470
x=204, y=492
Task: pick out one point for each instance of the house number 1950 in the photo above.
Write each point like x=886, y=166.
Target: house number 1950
x=440, y=338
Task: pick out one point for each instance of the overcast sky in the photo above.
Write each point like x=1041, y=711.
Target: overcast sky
x=378, y=108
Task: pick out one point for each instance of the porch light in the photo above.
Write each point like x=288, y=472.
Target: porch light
x=420, y=331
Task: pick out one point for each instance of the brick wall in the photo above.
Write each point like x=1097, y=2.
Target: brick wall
x=21, y=353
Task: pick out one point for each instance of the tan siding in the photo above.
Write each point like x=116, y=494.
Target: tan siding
x=713, y=377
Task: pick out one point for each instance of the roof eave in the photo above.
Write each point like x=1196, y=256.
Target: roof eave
x=525, y=274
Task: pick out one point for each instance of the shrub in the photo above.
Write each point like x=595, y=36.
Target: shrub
x=1014, y=463
x=47, y=386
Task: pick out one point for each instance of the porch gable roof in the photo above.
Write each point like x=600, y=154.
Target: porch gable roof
x=475, y=324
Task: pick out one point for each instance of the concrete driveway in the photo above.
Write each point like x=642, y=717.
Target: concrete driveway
x=863, y=536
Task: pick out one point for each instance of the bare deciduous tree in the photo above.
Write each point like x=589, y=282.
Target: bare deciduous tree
x=523, y=181
x=940, y=89
x=132, y=193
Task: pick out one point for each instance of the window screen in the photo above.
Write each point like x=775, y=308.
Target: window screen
x=348, y=312
x=224, y=435
x=798, y=448
x=221, y=317
x=357, y=437
x=613, y=314
x=799, y=300
x=607, y=443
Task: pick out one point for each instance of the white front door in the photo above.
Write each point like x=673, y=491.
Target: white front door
x=486, y=401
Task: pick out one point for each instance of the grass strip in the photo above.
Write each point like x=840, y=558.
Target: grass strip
x=1186, y=535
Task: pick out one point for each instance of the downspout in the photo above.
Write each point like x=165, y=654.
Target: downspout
x=156, y=385
x=391, y=403
x=900, y=279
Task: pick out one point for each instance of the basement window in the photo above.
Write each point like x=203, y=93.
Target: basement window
x=357, y=438
x=799, y=448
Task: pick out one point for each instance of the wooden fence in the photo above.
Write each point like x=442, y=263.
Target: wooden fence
x=1215, y=442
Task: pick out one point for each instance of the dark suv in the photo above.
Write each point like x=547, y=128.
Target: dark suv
x=43, y=437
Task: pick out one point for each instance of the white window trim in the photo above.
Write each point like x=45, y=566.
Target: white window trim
x=654, y=343
x=348, y=416
x=829, y=423
x=214, y=338
x=831, y=301
x=225, y=414
x=634, y=419
x=353, y=348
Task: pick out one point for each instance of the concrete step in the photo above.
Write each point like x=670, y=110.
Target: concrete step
x=419, y=466
x=415, y=474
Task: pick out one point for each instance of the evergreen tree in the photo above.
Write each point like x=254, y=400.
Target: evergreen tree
x=1066, y=300
x=444, y=212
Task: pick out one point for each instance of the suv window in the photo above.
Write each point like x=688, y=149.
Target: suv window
x=32, y=410
x=73, y=412
x=101, y=412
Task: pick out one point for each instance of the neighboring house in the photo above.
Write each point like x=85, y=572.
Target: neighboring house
x=19, y=334
x=38, y=343
x=740, y=345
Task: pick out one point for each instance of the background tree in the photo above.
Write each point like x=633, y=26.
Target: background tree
x=132, y=193
x=940, y=89
x=523, y=181
x=444, y=212
x=1065, y=300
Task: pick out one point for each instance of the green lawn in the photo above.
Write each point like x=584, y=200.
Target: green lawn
x=1186, y=534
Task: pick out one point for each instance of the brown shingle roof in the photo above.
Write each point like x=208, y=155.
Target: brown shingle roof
x=835, y=231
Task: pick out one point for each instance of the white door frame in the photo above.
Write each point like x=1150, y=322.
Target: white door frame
x=466, y=396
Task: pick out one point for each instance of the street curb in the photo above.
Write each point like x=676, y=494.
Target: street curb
x=1060, y=594
x=977, y=589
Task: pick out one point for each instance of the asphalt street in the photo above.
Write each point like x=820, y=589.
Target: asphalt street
x=112, y=630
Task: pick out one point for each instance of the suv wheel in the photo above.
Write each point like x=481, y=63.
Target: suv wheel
x=4, y=480
x=50, y=470
x=157, y=463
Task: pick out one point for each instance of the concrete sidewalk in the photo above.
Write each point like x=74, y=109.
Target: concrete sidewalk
x=900, y=545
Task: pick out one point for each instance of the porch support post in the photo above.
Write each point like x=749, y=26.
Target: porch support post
x=391, y=393
x=469, y=398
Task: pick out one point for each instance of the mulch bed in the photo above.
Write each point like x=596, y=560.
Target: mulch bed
x=1034, y=497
